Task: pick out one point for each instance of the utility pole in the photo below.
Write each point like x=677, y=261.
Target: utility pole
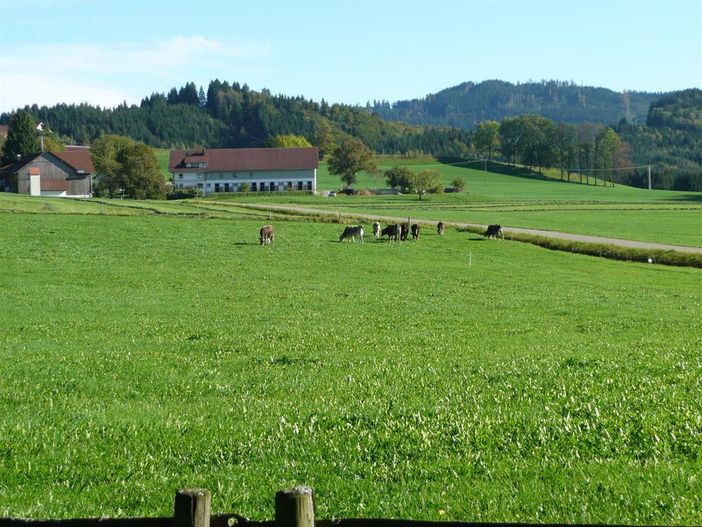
x=485, y=170
x=649, y=177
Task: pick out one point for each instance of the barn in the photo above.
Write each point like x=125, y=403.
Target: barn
x=61, y=174
x=252, y=169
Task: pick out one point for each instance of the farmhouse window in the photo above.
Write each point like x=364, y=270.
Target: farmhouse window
x=299, y=185
x=226, y=187
x=216, y=187
x=253, y=186
x=289, y=185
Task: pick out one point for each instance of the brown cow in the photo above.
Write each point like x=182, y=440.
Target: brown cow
x=266, y=234
x=415, y=231
x=440, y=228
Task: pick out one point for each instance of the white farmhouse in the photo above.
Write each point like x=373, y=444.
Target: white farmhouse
x=229, y=169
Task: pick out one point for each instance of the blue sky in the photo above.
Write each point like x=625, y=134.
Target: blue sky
x=105, y=52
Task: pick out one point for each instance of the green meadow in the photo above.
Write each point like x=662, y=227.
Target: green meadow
x=147, y=346
x=519, y=200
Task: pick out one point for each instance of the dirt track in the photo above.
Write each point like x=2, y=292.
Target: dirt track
x=507, y=230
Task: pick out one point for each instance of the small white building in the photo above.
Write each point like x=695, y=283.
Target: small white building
x=235, y=169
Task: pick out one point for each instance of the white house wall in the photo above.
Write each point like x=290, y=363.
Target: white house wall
x=280, y=178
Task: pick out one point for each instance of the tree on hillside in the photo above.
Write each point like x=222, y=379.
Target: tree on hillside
x=487, y=138
x=610, y=146
x=141, y=176
x=22, y=139
x=398, y=177
x=351, y=157
x=537, y=146
x=323, y=138
x=105, y=153
x=425, y=181
x=511, y=133
x=288, y=141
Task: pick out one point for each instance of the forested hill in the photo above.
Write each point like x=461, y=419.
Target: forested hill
x=469, y=103
x=671, y=141
x=233, y=115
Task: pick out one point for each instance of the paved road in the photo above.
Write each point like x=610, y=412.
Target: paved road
x=506, y=230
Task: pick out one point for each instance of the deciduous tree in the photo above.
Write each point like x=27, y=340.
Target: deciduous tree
x=349, y=158
x=487, y=138
x=288, y=141
x=105, y=153
x=398, y=177
x=141, y=177
x=424, y=181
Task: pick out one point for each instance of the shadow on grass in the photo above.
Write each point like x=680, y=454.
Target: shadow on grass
x=695, y=198
x=498, y=168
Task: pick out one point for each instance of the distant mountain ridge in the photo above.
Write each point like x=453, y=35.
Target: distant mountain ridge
x=469, y=103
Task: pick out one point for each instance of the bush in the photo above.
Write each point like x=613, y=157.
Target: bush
x=184, y=193
x=458, y=184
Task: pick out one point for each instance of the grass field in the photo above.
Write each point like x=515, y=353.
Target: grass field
x=144, y=352
x=518, y=201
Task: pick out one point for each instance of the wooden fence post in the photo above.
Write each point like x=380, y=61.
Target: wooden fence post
x=192, y=508
x=294, y=507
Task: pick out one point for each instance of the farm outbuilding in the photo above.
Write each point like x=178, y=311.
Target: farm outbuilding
x=61, y=174
x=235, y=169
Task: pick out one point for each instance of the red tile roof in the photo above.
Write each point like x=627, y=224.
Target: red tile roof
x=78, y=159
x=230, y=159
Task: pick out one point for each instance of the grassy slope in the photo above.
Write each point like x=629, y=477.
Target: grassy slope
x=141, y=354
x=162, y=156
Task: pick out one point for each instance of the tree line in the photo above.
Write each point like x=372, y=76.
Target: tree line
x=233, y=115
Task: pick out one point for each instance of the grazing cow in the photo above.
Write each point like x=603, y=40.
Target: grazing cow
x=391, y=231
x=415, y=231
x=494, y=231
x=376, y=230
x=266, y=235
x=404, y=231
x=440, y=228
x=351, y=232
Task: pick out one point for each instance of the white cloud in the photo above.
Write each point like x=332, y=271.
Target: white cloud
x=108, y=74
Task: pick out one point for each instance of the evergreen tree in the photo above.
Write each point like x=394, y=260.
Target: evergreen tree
x=22, y=139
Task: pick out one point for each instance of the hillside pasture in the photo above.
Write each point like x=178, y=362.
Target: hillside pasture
x=144, y=353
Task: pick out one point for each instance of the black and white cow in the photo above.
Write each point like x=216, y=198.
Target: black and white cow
x=415, y=231
x=440, y=228
x=494, y=231
x=376, y=230
x=391, y=231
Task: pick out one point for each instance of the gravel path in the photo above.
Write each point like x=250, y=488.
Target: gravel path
x=505, y=229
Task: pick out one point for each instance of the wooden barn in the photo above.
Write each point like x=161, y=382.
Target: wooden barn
x=62, y=174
